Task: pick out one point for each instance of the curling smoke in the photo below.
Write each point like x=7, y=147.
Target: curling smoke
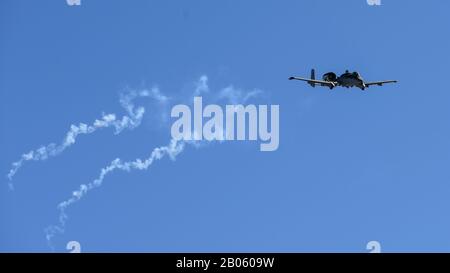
x=130, y=121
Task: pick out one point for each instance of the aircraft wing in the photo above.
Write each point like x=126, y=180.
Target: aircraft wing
x=312, y=81
x=378, y=83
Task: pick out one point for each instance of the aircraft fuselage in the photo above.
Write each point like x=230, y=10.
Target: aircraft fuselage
x=351, y=82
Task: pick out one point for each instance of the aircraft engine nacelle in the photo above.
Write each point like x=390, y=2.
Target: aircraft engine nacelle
x=330, y=77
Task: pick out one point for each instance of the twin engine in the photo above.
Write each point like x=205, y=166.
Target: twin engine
x=330, y=77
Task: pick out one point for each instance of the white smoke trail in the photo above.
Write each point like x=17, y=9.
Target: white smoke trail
x=201, y=86
x=236, y=96
x=130, y=121
x=172, y=150
x=229, y=94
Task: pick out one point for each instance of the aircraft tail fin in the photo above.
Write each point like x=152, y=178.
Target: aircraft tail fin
x=313, y=77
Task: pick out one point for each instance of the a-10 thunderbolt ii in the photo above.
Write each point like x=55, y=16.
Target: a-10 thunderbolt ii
x=348, y=79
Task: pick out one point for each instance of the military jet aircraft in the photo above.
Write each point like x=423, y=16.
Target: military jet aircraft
x=348, y=79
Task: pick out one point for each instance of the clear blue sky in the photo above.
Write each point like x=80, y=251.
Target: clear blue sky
x=352, y=166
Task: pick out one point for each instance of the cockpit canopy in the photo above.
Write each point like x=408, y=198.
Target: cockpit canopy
x=348, y=74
